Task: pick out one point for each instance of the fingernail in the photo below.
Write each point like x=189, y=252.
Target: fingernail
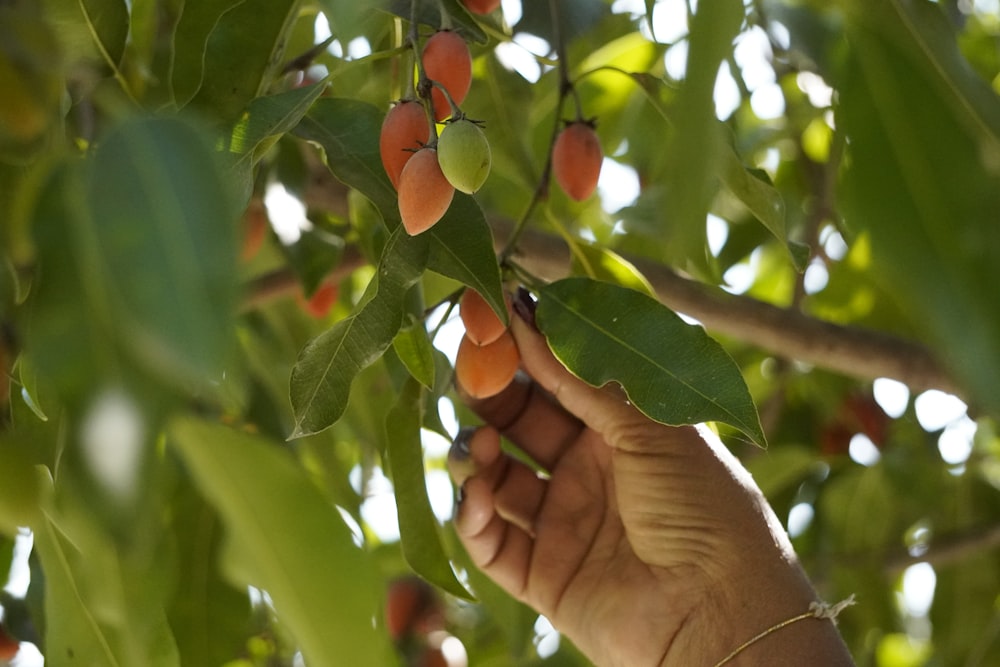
x=524, y=305
x=460, y=450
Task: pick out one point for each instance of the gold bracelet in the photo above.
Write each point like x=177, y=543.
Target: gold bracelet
x=819, y=610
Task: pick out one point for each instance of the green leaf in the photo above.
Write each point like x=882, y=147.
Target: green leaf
x=313, y=256
x=414, y=349
x=348, y=130
x=607, y=265
x=672, y=371
x=269, y=117
x=922, y=181
x=751, y=186
x=243, y=53
x=321, y=379
x=159, y=247
x=418, y=529
x=697, y=147
x=103, y=597
x=194, y=26
x=462, y=248
x=71, y=628
x=288, y=541
x=90, y=29
x=208, y=614
x=429, y=13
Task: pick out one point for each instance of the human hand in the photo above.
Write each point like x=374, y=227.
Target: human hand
x=645, y=544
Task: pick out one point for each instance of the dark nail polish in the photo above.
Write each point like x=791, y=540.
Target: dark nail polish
x=524, y=306
x=460, y=446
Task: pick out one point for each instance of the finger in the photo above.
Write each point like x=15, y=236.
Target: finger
x=531, y=419
x=517, y=488
x=496, y=546
x=601, y=409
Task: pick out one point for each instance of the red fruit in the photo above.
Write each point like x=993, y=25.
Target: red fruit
x=424, y=193
x=319, y=304
x=412, y=608
x=481, y=6
x=484, y=370
x=576, y=160
x=255, y=226
x=482, y=325
x=8, y=645
x=404, y=131
x=447, y=60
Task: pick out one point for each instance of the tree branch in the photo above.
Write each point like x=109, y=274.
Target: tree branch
x=853, y=351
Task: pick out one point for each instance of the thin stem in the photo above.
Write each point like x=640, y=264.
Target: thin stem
x=565, y=87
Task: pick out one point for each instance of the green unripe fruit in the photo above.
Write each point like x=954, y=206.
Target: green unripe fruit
x=464, y=155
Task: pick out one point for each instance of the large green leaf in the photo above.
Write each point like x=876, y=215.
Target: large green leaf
x=418, y=529
x=208, y=614
x=243, y=54
x=922, y=180
x=672, y=371
x=197, y=20
x=321, y=379
x=103, y=596
x=287, y=540
x=697, y=147
x=159, y=247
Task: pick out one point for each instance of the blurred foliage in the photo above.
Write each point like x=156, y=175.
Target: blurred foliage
x=197, y=455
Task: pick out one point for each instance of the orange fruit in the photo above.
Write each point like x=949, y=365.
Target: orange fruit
x=447, y=60
x=404, y=131
x=576, y=160
x=481, y=6
x=424, y=193
x=485, y=370
x=482, y=325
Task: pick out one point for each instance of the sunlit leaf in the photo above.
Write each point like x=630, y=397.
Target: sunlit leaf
x=414, y=349
x=672, y=371
x=607, y=265
x=751, y=186
x=326, y=367
x=924, y=185
x=268, y=117
x=418, y=529
x=288, y=540
x=697, y=146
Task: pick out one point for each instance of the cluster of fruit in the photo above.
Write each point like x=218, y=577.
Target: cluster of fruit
x=426, y=170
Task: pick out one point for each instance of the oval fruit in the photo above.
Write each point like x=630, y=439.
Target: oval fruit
x=464, y=155
x=319, y=304
x=482, y=325
x=484, y=370
x=412, y=608
x=405, y=130
x=576, y=160
x=447, y=60
x=481, y=7
x=424, y=193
